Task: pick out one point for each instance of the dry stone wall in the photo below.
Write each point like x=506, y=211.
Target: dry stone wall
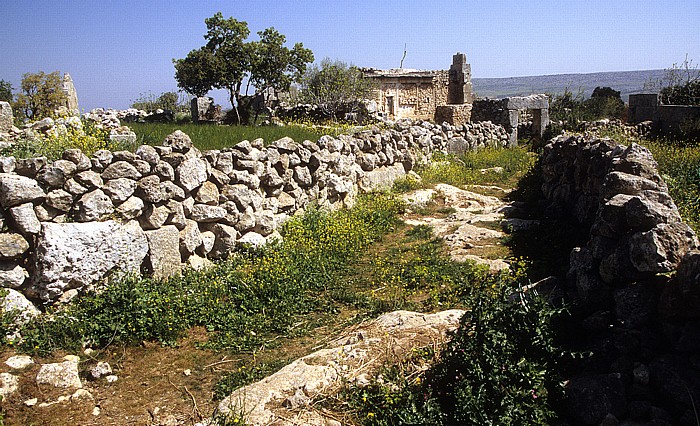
x=635, y=317
x=71, y=223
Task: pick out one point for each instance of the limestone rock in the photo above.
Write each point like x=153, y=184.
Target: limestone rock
x=76, y=156
x=12, y=246
x=662, y=248
x=19, y=362
x=191, y=173
x=9, y=383
x=131, y=208
x=148, y=154
x=154, y=216
x=73, y=255
x=208, y=193
x=252, y=239
x=327, y=369
x=164, y=253
x=225, y=240
x=178, y=141
x=25, y=219
x=190, y=237
x=16, y=303
x=60, y=200
x=119, y=190
x=121, y=169
x=99, y=370
x=16, y=190
x=12, y=275
x=206, y=213
x=93, y=206
x=61, y=375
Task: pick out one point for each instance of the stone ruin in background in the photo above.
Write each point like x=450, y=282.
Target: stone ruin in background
x=71, y=103
x=204, y=110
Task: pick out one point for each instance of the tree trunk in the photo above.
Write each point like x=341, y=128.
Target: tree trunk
x=234, y=95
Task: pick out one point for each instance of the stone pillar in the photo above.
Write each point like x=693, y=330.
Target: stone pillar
x=71, y=94
x=6, y=118
x=512, y=127
x=459, y=89
x=540, y=120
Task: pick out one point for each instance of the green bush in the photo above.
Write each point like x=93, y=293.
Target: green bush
x=500, y=368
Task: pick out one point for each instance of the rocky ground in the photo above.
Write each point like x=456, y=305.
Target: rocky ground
x=152, y=385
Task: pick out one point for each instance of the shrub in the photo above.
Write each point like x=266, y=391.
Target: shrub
x=500, y=368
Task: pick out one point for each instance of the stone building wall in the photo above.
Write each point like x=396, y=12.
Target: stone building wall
x=410, y=93
x=68, y=224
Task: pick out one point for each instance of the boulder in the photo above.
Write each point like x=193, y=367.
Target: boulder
x=12, y=246
x=225, y=240
x=119, y=190
x=12, y=275
x=74, y=255
x=16, y=190
x=9, y=383
x=121, y=169
x=25, y=219
x=191, y=173
x=164, y=252
x=206, y=213
x=178, y=141
x=208, y=193
x=131, y=208
x=16, y=303
x=62, y=375
x=190, y=237
x=60, y=200
x=93, y=206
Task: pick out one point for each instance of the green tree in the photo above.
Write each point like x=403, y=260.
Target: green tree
x=605, y=103
x=228, y=59
x=335, y=85
x=6, y=91
x=41, y=94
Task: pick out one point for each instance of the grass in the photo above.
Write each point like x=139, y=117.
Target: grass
x=216, y=137
x=679, y=165
x=474, y=168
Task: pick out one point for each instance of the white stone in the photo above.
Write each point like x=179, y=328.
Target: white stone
x=73, y=255
x=60, y=375
x=9, y=384
x=19, y=362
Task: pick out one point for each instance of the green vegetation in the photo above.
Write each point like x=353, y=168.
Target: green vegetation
x=173, y=101
x=679, y=85
x=679, y=165
x=227, y=59
x=41, y=95
x=500, y=368
x=240, y=301
x=335, y=86
x=489, y=166
x=76, y=133
x=6, y=91
x=575, y=109
x=217, y=137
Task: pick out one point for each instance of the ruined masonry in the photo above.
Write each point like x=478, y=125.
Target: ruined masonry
x=73, y=222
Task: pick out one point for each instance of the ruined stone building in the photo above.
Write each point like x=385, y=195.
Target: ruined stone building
x=419, y=94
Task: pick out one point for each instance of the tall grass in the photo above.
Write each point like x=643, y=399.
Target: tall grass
x=679, y=165
x=216, y=137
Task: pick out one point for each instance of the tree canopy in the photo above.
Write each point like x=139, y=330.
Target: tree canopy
x=5, y=91
x=41, y=95
x=227, y=59
x=335, y=85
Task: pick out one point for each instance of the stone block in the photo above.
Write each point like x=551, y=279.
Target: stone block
x=164, y=251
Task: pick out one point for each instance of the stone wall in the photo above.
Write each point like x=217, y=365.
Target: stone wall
x=667, y=119
x=69, y=224
x=506, y=112
x=638, y=321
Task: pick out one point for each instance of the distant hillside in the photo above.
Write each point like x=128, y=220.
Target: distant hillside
x=627, y=82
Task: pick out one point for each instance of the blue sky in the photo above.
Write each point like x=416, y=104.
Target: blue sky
x=116, y=50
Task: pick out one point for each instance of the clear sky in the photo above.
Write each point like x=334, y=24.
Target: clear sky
x=117, y=50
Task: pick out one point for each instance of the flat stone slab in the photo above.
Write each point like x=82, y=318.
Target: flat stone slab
x=276, y=399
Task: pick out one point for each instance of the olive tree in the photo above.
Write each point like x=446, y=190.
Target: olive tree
x=40, y=95
x=335, y=86
x=228, y=59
